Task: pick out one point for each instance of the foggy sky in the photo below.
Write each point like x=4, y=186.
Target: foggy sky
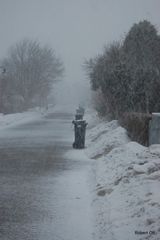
x=76, y=29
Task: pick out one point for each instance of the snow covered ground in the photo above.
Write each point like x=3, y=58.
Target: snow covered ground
x=124, y=182
x=10, y=120
x=126, y=196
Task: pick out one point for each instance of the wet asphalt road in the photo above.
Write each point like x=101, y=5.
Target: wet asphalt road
x=35, y=178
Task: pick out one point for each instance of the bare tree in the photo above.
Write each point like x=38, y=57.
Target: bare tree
x=32, y=70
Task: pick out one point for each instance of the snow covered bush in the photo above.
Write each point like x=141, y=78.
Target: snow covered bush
x=128, y=73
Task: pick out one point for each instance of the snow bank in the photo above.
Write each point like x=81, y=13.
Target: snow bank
x=104, y=137
x=10, y=120
x=127, y=174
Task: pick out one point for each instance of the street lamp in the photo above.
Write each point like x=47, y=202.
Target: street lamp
x=1, y=87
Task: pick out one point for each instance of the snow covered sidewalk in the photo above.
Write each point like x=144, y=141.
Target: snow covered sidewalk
x=126, y=197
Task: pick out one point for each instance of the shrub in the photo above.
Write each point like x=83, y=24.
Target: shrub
x=137, y=125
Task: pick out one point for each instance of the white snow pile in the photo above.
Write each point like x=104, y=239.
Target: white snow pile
x=126, y=195
x=10, y=120
x=104, y=137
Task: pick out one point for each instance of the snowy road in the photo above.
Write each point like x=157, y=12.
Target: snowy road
x=43, y=194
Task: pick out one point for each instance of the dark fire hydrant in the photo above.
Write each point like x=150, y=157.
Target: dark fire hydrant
x=79, y=130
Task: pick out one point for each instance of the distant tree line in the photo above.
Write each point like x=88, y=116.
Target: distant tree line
x=29, y=72
x=126, y=76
